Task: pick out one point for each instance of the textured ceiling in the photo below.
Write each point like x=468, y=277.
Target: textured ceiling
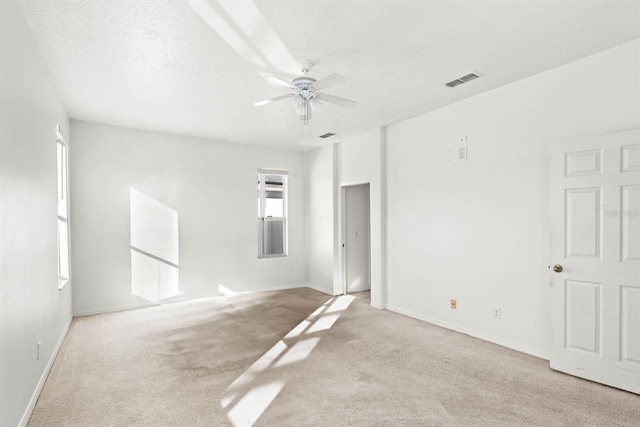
x=194, y=67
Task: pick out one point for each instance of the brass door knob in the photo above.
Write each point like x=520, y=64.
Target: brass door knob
x=557, y=268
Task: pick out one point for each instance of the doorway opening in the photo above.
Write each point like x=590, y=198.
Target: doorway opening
x=356, y=241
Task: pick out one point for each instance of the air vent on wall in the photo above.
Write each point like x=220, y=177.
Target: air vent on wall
x=463, y=79
x=327, y=135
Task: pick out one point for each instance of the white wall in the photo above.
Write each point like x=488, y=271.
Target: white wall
x=329, y=169
x=477, y=231
x=320, y=218
x=32, y=309
x=213, y=188
x=360, y=161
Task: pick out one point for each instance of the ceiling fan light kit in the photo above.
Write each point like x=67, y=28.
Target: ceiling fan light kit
x=306, y=96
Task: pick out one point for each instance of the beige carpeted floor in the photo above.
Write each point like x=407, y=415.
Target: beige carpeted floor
x=301, y=358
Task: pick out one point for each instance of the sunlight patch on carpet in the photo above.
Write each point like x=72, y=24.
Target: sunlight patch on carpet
x=252, y=397
x=302, y=326
x=253, y=404
x=298, y=352
x=323, y=323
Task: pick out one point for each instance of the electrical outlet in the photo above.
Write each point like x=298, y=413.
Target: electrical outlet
x=497, y=313
x=454, y=304
x=38, y=350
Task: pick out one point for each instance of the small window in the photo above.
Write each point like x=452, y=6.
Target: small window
x=63, y=209
x=272, y=213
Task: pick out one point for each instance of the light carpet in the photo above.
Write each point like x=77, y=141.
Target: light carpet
x=301, y=358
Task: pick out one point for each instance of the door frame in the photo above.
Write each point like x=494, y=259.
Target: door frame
x=342, y=231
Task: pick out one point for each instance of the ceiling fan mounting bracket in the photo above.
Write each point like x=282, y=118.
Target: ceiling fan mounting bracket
x=305, y=66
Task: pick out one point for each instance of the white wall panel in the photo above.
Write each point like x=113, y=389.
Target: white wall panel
x=630, y=318
x=210, y=185
x=32, y=309
x=583, y=223
x=154, y=227
x=477, y=230
x=630, y=216
x=583, y=308
x=583, y=163
x=319, y=207
x=631, y=158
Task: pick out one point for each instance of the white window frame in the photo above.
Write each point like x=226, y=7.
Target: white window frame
x=62, y=168
x=261, y=212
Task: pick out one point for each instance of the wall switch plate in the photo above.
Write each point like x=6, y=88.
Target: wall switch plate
x=38, y=350
x=459, y=150
x=454, y=304
x=497, y=313
x=462, y=153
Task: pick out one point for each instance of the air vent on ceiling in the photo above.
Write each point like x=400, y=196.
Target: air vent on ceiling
x=463, y=79
x=327, y=135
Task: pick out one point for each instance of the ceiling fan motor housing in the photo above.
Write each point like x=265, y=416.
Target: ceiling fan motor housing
x=305, y=86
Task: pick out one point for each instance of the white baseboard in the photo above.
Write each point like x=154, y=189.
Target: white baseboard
x=378, y=306
x=358, y=289
x=112, y=309
x=136, y=306
x=44, y=376
x=279, y=288
x=319, y=289
x=273, y=289
x=472, y=332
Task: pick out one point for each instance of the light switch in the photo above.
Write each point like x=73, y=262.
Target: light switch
x=462, y=153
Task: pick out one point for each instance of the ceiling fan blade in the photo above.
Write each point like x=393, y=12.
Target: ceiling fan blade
x=279, y=82
x=330, y=80
x=332, y=99
x=315, y=103
x=270, y=100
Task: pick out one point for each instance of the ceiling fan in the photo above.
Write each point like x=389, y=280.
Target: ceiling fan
x=306, y=95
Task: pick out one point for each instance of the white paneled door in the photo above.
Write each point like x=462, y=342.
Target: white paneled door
x=595, y=264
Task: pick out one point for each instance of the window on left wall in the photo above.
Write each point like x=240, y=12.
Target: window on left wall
x=63, y=208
